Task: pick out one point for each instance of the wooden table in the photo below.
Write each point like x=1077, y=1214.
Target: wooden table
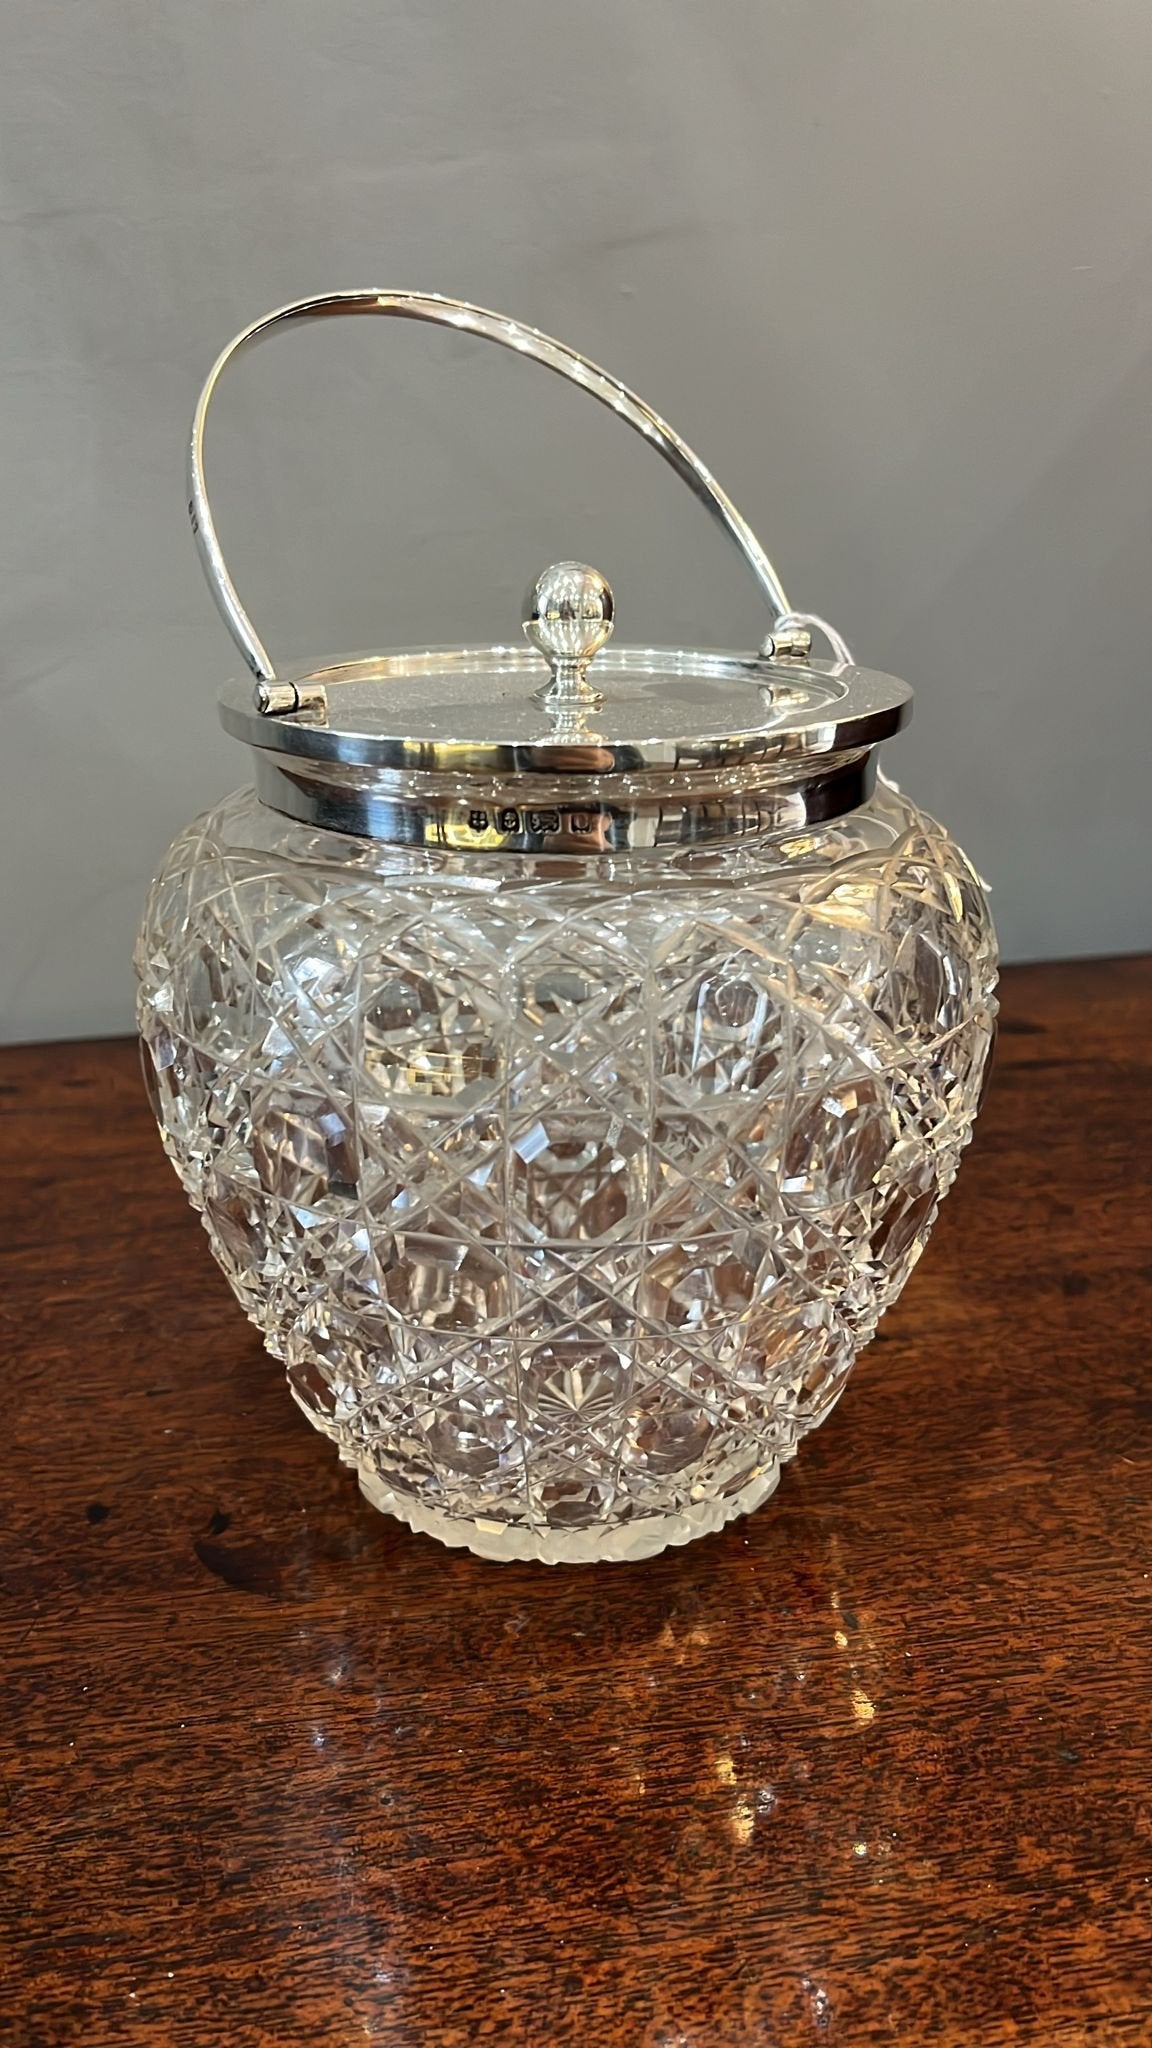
x=875, y=1766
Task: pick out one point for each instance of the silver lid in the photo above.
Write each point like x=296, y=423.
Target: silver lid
x=566, y=744
x=487, y=710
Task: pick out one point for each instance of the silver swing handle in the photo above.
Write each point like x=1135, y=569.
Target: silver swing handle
x=789, y=628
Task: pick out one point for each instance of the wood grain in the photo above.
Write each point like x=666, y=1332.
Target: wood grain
x=872, y=1767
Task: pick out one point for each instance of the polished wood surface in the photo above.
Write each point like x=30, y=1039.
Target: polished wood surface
x=874, y=1766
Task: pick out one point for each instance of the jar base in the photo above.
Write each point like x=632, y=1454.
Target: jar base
x=606, y=1543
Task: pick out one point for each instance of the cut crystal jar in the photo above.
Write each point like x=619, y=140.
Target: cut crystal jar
x=566, y=1047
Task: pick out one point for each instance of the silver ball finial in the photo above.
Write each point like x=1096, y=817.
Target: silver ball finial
x=570, y=616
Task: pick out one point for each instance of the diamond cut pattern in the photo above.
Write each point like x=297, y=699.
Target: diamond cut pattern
x=567, y=1204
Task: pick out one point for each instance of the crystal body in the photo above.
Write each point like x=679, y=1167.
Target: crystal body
x=567, y=1190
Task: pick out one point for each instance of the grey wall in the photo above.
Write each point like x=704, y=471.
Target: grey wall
x=886, y=263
